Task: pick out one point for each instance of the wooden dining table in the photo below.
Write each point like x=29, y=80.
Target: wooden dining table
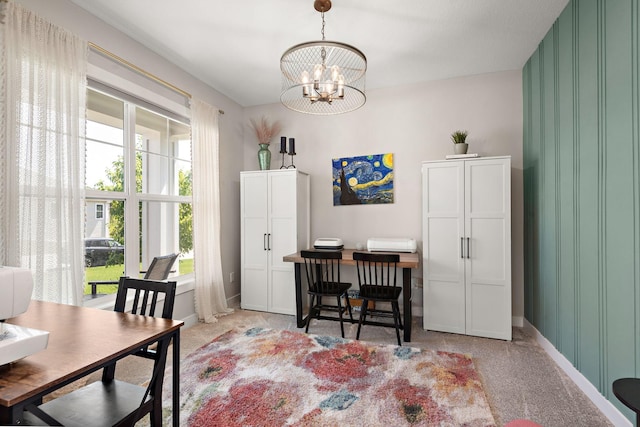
x=81, y=341
x=407, y=262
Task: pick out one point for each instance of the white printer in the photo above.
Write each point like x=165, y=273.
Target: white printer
x=329, y=243
x=16, y=342
x=388, y=244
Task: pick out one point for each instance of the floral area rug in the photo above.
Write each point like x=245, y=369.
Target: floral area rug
x=267, y=377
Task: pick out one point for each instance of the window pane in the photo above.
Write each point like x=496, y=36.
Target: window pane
x=167, y=228
x=103, y=246
x=163, y=149
x=105, y=142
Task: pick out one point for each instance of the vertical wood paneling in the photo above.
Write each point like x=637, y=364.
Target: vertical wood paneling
x=635, y=114
x=589, y=303
x=535, y=196
x=527, y=202
x=548, y=253
x=582, y=189
x=618, y=191
x=567, y=316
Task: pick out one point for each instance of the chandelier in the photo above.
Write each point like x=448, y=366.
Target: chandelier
x=323, y=77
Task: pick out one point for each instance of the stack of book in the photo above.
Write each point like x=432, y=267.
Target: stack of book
x=461, y=156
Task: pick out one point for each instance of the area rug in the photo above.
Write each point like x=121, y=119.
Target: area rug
x=268, y=377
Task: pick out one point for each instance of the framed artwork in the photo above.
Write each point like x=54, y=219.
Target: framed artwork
x=363, y=180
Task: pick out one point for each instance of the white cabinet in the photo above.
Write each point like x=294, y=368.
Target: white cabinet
x=275, y=210
x=466, y=214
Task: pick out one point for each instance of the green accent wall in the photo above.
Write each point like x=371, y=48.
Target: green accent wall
x=582, y=189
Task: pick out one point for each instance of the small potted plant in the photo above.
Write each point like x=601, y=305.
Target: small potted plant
x=459, y=139
x=264, y=131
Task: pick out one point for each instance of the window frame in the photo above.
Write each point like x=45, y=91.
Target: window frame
x=99, y=210
x=130, y=197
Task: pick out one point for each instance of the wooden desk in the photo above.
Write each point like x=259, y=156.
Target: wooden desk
x=407, y=262
x=81, y=341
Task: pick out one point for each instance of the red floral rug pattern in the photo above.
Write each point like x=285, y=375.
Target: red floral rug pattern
x=267, y=377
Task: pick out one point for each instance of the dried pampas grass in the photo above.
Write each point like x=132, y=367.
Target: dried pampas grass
x=263, y=130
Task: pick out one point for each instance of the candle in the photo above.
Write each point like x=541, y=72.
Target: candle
x=292, y=146
x=283, y=144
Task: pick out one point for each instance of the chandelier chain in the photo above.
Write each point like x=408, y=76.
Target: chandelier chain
x=323, y=52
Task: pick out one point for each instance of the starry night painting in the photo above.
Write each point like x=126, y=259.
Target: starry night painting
x=363, y=180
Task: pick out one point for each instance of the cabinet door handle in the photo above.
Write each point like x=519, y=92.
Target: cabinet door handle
x=264, y=241
x=468, y=248
x=269, y=242
x=462, y=247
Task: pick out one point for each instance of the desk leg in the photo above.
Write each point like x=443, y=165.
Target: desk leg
x=300, y=322
x=406, y=303
x=176, y=379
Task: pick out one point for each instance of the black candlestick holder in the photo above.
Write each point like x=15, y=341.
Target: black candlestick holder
x=291, y=154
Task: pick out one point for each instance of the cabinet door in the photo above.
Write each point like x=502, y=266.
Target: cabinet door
x=282, y=241
x=443, y=246
x=254, y=236
x=488, y=260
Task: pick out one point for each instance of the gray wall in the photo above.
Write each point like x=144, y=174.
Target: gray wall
x=582, y=189
x=414, y=123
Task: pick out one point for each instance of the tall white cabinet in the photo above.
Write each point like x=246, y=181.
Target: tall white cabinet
x=466, y=230
x=275, y=212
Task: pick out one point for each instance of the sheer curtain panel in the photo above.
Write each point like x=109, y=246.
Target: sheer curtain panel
x=42, y=96
x=210, y=299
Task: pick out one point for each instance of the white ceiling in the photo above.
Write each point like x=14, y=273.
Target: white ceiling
x=235, y=45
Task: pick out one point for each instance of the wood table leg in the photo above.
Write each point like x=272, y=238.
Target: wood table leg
x=406, y=303
x=300, y=321
x=176, y=379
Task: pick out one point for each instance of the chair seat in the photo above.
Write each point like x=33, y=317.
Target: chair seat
x=627, y=390
x=331, y=289
x=109, y=404
x=380, y=293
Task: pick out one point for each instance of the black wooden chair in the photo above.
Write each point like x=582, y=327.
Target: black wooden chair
x=323, y=276
x=377, y=280
x=113, y=402
x=159, y=269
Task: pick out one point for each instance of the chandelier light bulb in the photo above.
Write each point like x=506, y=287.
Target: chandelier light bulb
x=335, y=71
x=328, y=85
x=306, y=89
x=341, y=86
x=318, y=69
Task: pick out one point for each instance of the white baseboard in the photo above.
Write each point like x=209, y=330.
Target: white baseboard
x=190, y=320
x=234, y=301
x=517, y=321
x=601, y=402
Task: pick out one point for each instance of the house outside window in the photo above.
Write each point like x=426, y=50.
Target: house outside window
x=138, y=165
x=99, y=211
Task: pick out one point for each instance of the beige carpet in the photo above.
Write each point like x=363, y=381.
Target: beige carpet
x=520, y=380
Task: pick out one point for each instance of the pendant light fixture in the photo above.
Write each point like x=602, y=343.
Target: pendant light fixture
x=323, y=77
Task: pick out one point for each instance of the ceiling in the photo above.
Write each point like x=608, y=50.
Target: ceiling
x=235, y=46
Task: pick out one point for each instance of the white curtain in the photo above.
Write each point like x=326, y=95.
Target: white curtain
x=210, y=299
x=42, y=97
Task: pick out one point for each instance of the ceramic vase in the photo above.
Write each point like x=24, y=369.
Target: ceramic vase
x=264, y=157
x=460, y=148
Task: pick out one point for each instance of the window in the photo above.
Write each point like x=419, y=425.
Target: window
x=139, y=168
x=99, y=211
